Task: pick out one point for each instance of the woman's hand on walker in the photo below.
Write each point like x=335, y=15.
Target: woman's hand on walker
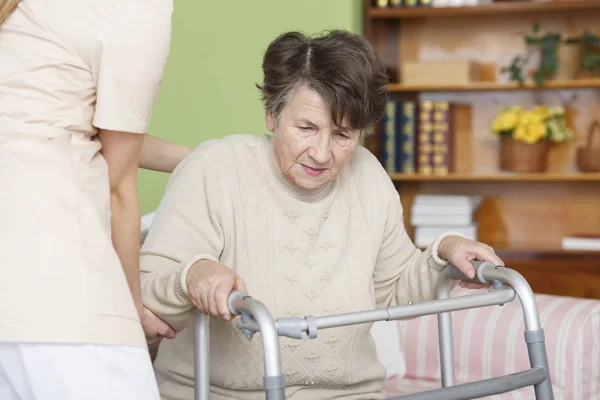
x=209, y=285
x=460, y=252
x=155, y=328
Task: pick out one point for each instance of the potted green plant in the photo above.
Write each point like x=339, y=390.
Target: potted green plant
x=547, y=45
x=590, y=52
x=515, y=69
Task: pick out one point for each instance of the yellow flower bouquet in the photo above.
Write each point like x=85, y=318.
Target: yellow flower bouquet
x=525, y=135
x=531, y=126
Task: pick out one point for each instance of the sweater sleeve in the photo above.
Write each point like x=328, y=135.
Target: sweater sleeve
x=187, y=223
x=403, y=272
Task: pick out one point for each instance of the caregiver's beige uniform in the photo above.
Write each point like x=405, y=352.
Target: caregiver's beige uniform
x=68, y=67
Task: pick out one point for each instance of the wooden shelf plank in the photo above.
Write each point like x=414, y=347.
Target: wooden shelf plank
x=528, y=253
x=558, y=253
x=500, y=177
x=494, y=86
x=501, y=8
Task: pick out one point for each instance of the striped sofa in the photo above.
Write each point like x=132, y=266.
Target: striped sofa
x=489, y=342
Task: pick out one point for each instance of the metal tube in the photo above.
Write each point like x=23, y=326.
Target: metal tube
x=201, y=356
x=539, y=358
x=445, y=332
x=486, y=387
x=534, y=334
x=274, y=380
x=359, y=317
x=331, y=321
x=526, y=296
x=495, y=297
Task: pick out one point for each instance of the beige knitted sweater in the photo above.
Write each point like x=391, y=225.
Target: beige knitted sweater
x=339, y=249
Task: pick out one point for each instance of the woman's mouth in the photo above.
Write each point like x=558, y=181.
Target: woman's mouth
x=313, y=171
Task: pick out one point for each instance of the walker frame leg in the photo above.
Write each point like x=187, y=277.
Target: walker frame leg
x=445, y=337
x=201, y=356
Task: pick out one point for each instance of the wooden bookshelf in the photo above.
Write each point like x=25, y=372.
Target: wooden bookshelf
x=523, y=216
x=506, y=8
x=497, y=87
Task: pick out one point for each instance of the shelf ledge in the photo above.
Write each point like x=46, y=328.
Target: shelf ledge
x=500, y=8
x=499, y=177
x=495, y=86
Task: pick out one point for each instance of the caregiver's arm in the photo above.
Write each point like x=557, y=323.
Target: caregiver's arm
x=161, y=155
x=186, y=228
x=129, y=72
x=121, y=150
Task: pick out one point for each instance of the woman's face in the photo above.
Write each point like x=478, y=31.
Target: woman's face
x=310, y=149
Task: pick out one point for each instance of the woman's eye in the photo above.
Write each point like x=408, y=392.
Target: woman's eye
x=305, y=128
x=343, y=135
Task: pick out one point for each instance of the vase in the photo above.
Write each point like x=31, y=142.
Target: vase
x=588, y=155
x=569, y=59
x=519, y=156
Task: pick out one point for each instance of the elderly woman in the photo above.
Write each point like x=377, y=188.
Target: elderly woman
x=305, y=220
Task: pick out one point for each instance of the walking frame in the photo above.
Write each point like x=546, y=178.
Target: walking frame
x=505, y=285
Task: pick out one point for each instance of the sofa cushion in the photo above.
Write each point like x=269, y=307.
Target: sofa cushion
x=489, y=342
x=386, y=335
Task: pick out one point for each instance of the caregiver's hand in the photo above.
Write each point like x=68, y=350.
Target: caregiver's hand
x=460, y=252
x=209, y=285
x=155, y=328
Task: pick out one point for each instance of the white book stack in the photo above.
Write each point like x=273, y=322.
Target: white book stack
x=432, y=215
x=460, y=3
x=581, y=242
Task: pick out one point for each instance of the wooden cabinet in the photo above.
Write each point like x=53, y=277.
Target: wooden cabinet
x=523, y=216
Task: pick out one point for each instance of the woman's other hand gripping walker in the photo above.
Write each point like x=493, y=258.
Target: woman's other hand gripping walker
x=461, y=251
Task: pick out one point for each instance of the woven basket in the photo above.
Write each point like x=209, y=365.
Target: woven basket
x=519, y=156
x=588, y=156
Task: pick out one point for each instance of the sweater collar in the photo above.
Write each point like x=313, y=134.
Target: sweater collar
x=269, y=161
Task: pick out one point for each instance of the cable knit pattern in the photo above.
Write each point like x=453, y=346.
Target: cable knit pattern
x=342, y=248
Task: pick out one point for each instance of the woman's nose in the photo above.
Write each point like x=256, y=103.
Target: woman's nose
x=320, y=149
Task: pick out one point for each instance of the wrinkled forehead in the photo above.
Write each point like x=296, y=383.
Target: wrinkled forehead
x=305, y=105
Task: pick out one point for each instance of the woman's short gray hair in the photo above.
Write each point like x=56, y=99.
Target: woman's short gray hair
x=341, y=66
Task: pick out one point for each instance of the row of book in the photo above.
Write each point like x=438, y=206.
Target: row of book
x=417, y=137
x=429, y=3
x=433, y=215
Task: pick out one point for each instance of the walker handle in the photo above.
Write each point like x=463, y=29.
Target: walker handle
x=233, y=298
x=480, y=271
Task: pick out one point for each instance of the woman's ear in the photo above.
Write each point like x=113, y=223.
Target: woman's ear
x=270, y=121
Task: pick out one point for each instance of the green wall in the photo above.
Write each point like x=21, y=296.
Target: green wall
x=217, y=46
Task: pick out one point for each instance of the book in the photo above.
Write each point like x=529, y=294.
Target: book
x=448, y=200
x=390, y=135
x=425, y=138
x=587, y=242
x=408, y=148
x=441, y=138
x=426, y=235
